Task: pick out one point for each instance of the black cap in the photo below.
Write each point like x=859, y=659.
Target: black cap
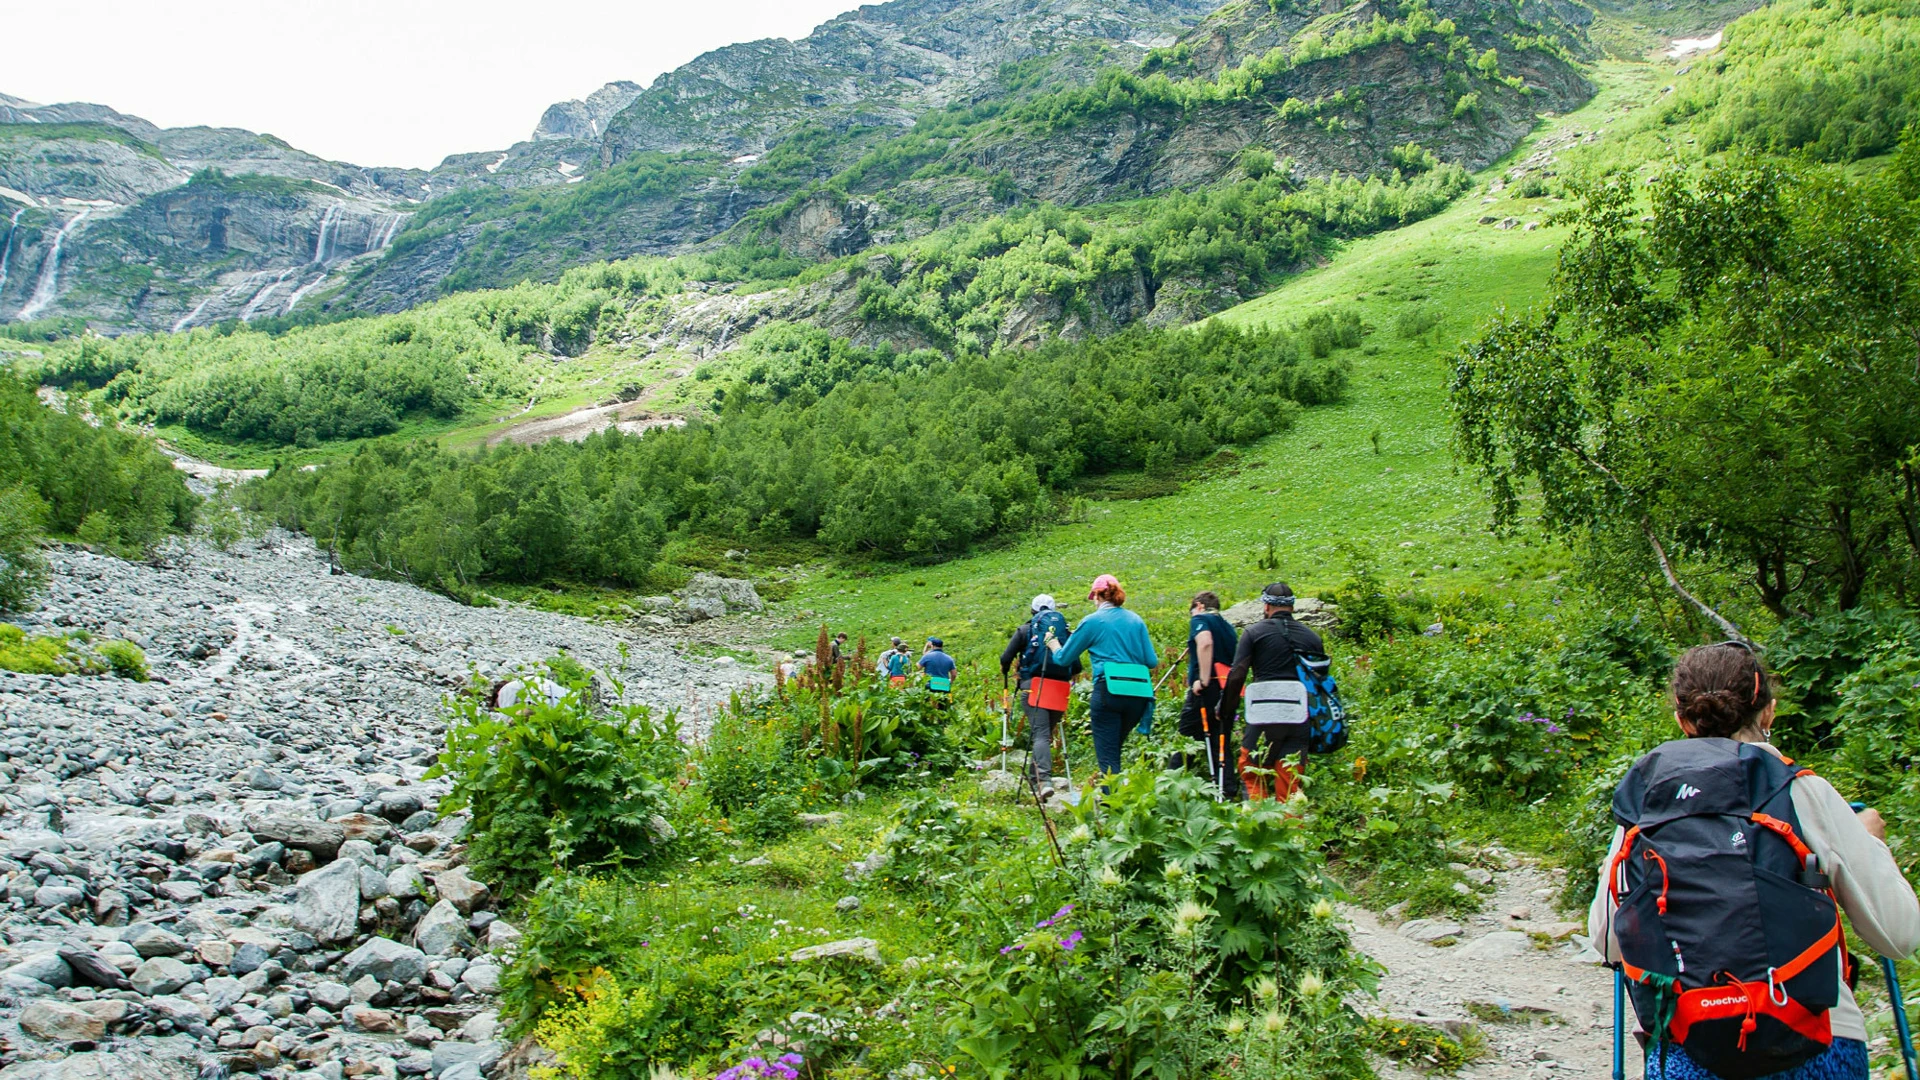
x=936, y=643
x=1278, y=594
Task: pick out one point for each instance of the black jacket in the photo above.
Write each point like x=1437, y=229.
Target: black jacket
x=1270, y=649
x=1017, y=646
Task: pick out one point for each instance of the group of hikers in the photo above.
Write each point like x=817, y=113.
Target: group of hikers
x=1720, y=897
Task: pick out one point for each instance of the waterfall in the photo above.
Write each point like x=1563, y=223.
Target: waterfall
x=302, y=291
x=6, y=249
x=194, y=314
x=253, y=305
x=384, y=235
x=327, y=223
x=49, y=283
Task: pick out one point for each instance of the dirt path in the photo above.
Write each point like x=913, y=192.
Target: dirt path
x=1513, y=971
x=632, y=417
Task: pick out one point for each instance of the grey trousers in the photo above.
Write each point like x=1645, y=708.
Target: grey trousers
x=1040, y=724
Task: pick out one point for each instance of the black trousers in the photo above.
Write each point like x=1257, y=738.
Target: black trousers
x=1200, y=719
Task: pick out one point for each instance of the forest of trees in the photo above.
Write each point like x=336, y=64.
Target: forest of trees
x=898, y=456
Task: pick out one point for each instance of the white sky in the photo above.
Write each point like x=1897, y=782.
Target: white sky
x=372, y=82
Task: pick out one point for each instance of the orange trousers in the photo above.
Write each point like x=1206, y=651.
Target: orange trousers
x=1281, y=785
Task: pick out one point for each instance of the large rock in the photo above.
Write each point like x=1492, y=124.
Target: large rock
x=385, y=960
x=1499, y=945
x=321, y=838
x=44, y=967
x=442, y=930
x=327, y=904
x=1321, y=616
x=713, y=595
x=175, y=1058
x=457, y=888
x=160, y=975
x=1429, y=930
x=358, y=826
x=862, y=948
x=57, y=1021
x=406, y=882
x=450, y=1053
x=151, y=941
x=91, y=969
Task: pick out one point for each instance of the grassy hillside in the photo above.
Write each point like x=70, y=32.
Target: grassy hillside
x=1311, y=489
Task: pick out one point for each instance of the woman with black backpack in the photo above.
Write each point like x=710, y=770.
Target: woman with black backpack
x=1720, y=897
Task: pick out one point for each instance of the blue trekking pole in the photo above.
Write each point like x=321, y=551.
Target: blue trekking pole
x=1900, y=1017
x=1619, y=1025
x=1898, y=1001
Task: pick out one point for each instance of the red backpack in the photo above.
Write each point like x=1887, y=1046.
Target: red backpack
x=1729, y=934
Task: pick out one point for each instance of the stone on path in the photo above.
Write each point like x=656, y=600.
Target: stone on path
x=442, y=930
x=1499, y=945
x=385, y=960
x=1429, y=930
x=328, y=902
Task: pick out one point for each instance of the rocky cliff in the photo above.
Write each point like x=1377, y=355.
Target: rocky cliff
x=885, y=123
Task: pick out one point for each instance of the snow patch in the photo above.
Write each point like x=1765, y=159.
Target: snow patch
x=495, y=167
x=1689, y=46
x=18, y=196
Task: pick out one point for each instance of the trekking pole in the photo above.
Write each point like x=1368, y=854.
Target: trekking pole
x=1006, y=717
x=1900, y=1017
x=1169, y=671
x=1033, y=785
x=1619, y=1025
x=1219, y=783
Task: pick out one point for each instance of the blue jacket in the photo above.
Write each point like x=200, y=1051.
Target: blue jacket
x=938, y=664
x=1110, y=635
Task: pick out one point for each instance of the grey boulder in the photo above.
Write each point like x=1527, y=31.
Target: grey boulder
x=327, y=903
x=385, y=960
x=442, y=930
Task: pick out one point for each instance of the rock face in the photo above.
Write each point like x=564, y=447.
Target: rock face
x=585, y=121
x=269, y=925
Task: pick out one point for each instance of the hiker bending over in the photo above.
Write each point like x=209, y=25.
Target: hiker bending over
x=1046, y=705
x=1123, y=663
x=1721, y=892
x=937, y=666
x=1211, y=643
x=1266, y=670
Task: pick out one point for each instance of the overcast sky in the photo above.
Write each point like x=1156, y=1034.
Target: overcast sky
x=373, y=82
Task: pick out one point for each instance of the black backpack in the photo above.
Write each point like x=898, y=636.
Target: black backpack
x=1036, y=662
x=1729, y=933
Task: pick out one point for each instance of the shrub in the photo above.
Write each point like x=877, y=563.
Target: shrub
x=126, y=660
x=591, y=1033
x=23, y=570
x=554, y=785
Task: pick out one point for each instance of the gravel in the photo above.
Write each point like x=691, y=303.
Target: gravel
x=228, y=867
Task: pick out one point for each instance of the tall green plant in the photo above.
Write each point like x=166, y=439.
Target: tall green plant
x=554, y=784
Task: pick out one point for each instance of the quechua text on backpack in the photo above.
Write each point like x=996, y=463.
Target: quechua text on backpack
x=1729, y=933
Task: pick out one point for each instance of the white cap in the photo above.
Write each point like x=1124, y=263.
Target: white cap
x=1044, y=602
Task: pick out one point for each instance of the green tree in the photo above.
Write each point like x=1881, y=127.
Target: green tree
x=1735, y=380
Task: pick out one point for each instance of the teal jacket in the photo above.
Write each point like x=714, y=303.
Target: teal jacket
x=1110, y=635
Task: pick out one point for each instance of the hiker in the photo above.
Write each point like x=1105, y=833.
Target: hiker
x=840, y=648
x=1759, y=857
x=1211, y=644
x=1123, y=663
x=894, y=663
x=937, y=666
x=1266, y=670
x=1045, y=706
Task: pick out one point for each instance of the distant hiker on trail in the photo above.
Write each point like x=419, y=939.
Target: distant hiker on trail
x=1746, y=972
x=937, y=666
x=1211, y=643
x=1123, y=663
x=1046, y=705
x=1266, y=669
x=840, y=647
x=895, y=663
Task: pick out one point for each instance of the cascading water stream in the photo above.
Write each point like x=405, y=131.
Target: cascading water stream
x=253, y=306
x=321, y=246
x=192, y=315
x=49, y=283
x=6, y=248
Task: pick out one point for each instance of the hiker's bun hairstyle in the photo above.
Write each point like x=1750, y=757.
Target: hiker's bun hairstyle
x=1112, y=594
x=1720, y=689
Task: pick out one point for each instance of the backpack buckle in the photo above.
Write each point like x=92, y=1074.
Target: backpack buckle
x=1776, y=991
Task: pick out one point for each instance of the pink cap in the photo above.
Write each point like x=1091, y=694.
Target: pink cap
x=1104, y=581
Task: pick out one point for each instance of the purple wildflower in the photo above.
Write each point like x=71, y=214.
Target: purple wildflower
x=1072, y=941
x=1015, y=947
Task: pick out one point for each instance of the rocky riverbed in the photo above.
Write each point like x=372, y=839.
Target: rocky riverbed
x=237, y=866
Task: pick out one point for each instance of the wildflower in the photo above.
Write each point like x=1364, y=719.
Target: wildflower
x=1072, y=941
x=1109, y=876
x=1266, y=990
x=1236, y=1025
x=1080, y=835
x=1189, y=913
x=1323, y=909
x=1174, y=872
x=1015, y=947
x=1273, y=1022
x=1311, y=985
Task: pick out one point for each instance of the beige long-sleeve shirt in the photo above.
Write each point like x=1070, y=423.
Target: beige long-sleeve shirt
x=1877, y=899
